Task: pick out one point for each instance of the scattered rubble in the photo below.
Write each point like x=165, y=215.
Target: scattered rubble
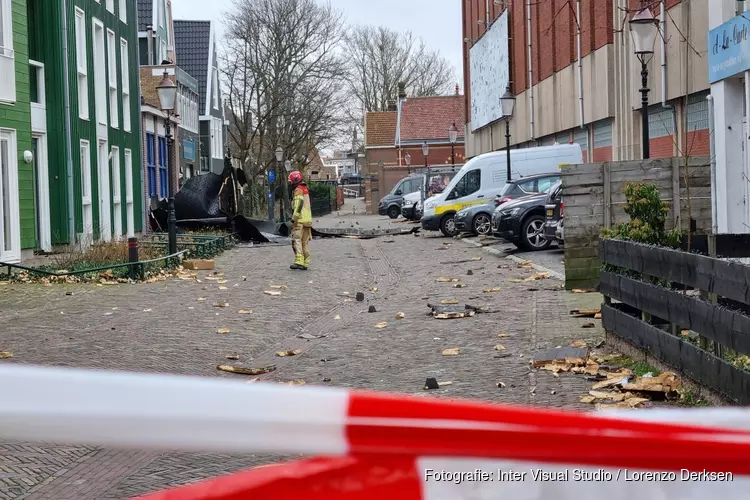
x=371, y=309
x=585, y=313
x=443, y=279
x=246, y=371
x=360, y=297
x=455, y=351
x=400, y=315
x=451, y=311
x=382, y=324
x=491, y=290
x=245, y=311
x=223, y=330
x=308, y=336
x=447, y=302
x=6, y=354
x=272, y=293
x=233, y=357
x=289, y=352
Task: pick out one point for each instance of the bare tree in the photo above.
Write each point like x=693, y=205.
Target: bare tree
x=283, y=73
x=381, y=58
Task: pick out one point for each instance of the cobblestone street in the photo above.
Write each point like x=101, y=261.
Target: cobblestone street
x=171, y=327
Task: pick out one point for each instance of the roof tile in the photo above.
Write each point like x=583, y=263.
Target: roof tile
x=192, y=42
x=380, y=127
x=429, y=118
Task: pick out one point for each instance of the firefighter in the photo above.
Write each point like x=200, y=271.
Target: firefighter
x=302, y=222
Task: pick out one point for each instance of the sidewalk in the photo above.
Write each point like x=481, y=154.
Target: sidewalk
x=164, y=327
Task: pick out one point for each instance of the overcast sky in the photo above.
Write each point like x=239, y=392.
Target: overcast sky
x=437, y=22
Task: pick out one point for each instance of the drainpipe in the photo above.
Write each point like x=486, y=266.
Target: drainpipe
x=712, y=140
x=531, y=71
x=662, y=28
x=580, y=65
x=486, y=15
x=68, y=139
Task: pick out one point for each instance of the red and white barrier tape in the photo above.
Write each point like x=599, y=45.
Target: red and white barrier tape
x=385, y=443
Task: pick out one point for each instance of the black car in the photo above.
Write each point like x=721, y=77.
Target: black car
x=554, y=215
x=477, y=218
x=521, y=222
x=390, y=204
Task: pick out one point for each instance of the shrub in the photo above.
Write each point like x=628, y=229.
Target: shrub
x=648, y=218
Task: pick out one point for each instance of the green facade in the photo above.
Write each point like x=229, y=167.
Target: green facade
x=18, y=117
x=45, y=45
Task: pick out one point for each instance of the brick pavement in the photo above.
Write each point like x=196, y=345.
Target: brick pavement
x=163, y=327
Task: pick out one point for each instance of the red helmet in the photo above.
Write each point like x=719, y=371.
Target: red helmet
x=295, y=178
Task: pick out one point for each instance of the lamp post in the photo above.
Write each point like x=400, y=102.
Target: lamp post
x=272, y=185
x=508, y=105
x=453, y=137
x=425, y=152
x=167, y=91
x=407, y=159
x=288, y=170
x=644, y=28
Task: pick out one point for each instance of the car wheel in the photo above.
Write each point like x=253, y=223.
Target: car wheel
x=448, y=226
x=394, y=212
x=482, y=224
x=532, y=234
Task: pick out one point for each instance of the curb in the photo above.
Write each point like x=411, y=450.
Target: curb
x=518, y=260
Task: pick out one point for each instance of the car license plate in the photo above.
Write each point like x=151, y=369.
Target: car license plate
x=550, y=212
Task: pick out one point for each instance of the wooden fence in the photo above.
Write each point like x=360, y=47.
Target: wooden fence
x=593, y=198
x=703, y=335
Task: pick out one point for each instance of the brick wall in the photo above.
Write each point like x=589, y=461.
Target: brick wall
x=697, y=143
x=662, y=147
x=602, y=154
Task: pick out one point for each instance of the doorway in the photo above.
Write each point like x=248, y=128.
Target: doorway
x=41, y=193
x=10, y=230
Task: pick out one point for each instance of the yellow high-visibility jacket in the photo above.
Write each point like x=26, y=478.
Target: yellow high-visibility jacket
x=301, y=211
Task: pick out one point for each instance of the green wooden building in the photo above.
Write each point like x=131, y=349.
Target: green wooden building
x=75, y=124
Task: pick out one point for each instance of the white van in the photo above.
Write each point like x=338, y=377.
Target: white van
x=484, y=176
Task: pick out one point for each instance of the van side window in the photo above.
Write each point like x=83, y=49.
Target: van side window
x=469, y=184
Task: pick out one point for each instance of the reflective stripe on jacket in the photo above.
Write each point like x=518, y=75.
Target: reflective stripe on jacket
x=301, y=206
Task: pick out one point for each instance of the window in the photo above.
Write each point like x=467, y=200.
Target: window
x=215, y=87
x=468, y=184
x=100, y=75
x=603, y=134
x=660, y=121
x=10, y=235
x=88, y=213
x=545, y=183
x=111, y=6
x=7, y=56
x=697, y=112
x=82, y=65
x=129, y=208
x=116, y=192
x=114, y=116
x=581, y=137
x=125, y=69
x=216, y=138
x=151, y=164
x=123, y=4
x=163, y=167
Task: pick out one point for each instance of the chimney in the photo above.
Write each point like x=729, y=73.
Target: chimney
x=401, y=90
x=392, y=105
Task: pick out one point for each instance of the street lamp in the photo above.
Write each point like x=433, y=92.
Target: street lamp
x=272, y=184
x=507, y=105
x=425, y=152
x=453, y=137
x=167, y=91
x=407, y=159
x=288, y=166
x=644, y=28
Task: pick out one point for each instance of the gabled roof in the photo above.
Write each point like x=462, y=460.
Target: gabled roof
x=429, y=118
x=145, y=14
x=380, y=128
x=192, y=40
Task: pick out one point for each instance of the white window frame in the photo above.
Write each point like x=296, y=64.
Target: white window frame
x=88, y=211
x=115, y=174
x=100, y=73
x=82, y=65
x=114, y=115
x=111, y=6
x=13, y=254
x=123, y=7
x=7, y=54
x=129, y=207
x=125, y=69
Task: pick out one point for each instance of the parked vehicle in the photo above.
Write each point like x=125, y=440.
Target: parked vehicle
x=553, y=226
x=409, y=205
x=477, y=219
x=521, y=222
x=484, y=176
x=390, y=204
x=350, y=178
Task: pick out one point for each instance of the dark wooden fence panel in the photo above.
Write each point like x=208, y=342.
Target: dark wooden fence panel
x=701, y=366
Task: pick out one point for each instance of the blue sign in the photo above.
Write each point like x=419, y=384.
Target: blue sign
x=270, y=196
x=729, y=48
x=271, y=176
x=188, y=149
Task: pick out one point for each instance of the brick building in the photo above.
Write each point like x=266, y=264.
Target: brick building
x=395, y=138
x=576, y=79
